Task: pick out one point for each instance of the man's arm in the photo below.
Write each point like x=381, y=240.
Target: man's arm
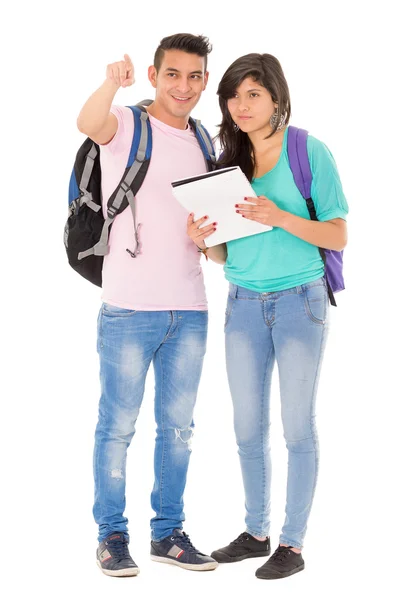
x=95, y=119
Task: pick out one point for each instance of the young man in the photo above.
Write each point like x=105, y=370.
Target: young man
x=154, y=305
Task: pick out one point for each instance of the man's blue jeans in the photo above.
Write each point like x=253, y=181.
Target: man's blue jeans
x=291, y=328
x=128, y=341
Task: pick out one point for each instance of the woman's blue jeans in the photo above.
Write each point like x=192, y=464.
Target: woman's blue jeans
x=291, y=328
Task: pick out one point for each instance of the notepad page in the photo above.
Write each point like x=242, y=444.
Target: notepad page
x=216, y=196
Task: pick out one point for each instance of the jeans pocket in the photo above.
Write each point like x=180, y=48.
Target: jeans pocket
x=115, y=311
x=316, y=304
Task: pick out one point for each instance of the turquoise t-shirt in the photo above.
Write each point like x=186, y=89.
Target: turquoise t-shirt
x=277, y=260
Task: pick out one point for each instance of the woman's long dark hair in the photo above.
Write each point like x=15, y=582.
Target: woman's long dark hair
x=236, y=146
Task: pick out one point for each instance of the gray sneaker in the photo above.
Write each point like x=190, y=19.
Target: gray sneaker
x=177, y=549
x=113, y=557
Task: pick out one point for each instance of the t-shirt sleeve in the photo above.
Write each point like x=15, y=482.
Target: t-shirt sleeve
x=124, y=133
x=327, y=193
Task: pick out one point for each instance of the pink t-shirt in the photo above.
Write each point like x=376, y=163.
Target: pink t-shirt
x=167, y=274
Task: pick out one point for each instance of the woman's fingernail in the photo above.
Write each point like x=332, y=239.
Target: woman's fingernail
x=236, y=205
x=215, y=223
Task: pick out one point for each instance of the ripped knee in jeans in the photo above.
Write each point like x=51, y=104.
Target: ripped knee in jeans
x=185, y=435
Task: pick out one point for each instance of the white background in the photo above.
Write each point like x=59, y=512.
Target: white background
x=338, y=58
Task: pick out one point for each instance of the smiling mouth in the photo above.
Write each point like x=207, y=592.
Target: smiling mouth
x=180, y=99
x=244, y=118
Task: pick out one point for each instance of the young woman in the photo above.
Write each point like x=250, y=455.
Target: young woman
x=278, y=302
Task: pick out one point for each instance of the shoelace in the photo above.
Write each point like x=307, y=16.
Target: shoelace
x=118, y=548
x=241, y=538
x=184, y=542
x=280, y=554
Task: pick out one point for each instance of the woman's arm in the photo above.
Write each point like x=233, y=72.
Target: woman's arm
x=218, y=253
x=331, y=235
x=198, y=234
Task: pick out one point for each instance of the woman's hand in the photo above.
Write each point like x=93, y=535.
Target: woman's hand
x=198, y=234
x=331, y=235
x=263, y=211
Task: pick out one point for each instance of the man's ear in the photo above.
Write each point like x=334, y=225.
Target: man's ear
x=152, y=75
x=206, y=79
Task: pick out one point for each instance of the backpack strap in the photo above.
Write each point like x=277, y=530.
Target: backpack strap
x=141, y=149
x=205, y=141
x=85, y=197
x=144, y=103
x=299, y=160
x=300, y=166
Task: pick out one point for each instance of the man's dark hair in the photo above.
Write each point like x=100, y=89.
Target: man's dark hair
x=192, y=44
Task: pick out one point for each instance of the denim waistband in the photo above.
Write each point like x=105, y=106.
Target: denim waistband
x=237, y=291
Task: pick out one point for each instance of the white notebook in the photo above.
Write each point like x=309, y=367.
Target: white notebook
x=215, y=194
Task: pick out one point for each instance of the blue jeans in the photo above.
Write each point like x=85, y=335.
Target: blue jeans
x=128, y=341
x=291, y=328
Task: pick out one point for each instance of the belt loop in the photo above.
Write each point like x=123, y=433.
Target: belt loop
x=299, y=289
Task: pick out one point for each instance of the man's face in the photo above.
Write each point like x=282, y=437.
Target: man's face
x=179, y=82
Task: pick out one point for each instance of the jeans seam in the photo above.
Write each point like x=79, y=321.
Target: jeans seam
x=263, y=450
x=263, y=439
x=169, y=331
x=314, y=437
x=263, y=442
x=100, y=330
x=264, y=313
x=164, y=437
x=229, y=313
x=95, y=460
x=269, y=323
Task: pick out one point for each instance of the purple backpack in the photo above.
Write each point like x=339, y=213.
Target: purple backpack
x=300, y=167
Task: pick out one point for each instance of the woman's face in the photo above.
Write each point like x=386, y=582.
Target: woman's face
x=251, y=107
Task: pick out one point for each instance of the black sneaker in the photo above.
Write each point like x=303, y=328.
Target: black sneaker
x=177, y=549
x=245, y=546
x=113, y=557
x=283, y=563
